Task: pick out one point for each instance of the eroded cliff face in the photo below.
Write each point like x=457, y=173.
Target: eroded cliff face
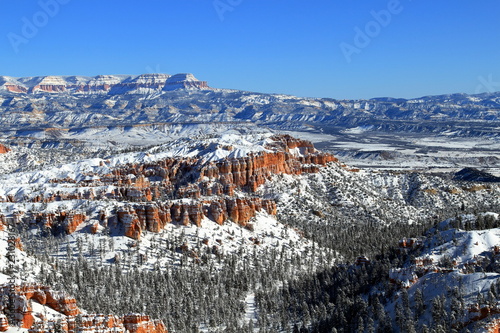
x=22, y=297
x=155, y=216
x=182, y=190
x=69, y=221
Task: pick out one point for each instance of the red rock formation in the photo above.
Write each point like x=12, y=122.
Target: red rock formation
x=147, y=185
x=16, y=88
x=493, y=326
x=22, y=305
x=218, y=212
x=27, y=319
x=242, y=210
x=195, y=212
x=66, y=305
x=136, y=323
x=48, y=88
x=72, y=222
x=154, y=217
x=157, y=216
x=208, y=178
x=94, y=228
x=176, y=212
x=60, y=302
x=3, y=149
x=185, y=218
x=128, y=217
x=270, y=207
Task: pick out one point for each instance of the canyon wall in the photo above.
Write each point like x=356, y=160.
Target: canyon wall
x=183, y=190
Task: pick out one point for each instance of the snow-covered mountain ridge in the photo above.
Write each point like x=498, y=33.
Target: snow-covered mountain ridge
x=55, y=101
x=447, y=130
x=101, y=84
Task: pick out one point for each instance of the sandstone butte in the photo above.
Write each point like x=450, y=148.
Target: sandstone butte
x=152, y=190
x=72, y=320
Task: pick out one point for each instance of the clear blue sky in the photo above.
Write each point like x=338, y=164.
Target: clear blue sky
x=285, y=46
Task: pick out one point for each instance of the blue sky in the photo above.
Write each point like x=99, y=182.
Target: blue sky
x=322, y=48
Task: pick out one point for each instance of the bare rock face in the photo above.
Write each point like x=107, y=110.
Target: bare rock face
x=218, y=212
x=151, y=217
x=97, y=84
x=73, y=220
x=195, y=212
x=23, y=295
x=3, y=149
x=145, y=83
x=157, y=217
x=184, y=190
x=184, y=81
x=154, y=217
x=50, y=84
x=130, y=220
x=136, y=323
x=16, y=88
x=69, y=220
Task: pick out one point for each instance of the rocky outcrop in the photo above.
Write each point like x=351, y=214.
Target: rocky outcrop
x=51, y=84
x=194, y=178
x=146, y=83
x=136, y=219
x=153, y=217
x=15, y=88
x=184, y=81
x=142, y=324
x=100, y=84
x=3, y=149
x=72, y=321
x=12, y=85
x=183, y=190
x=72, y=221
x=157, y=192
x=69, y=221
x=21, y=296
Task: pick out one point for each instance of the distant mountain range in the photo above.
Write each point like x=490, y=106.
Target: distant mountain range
x=101, y=84
x=110, y=100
